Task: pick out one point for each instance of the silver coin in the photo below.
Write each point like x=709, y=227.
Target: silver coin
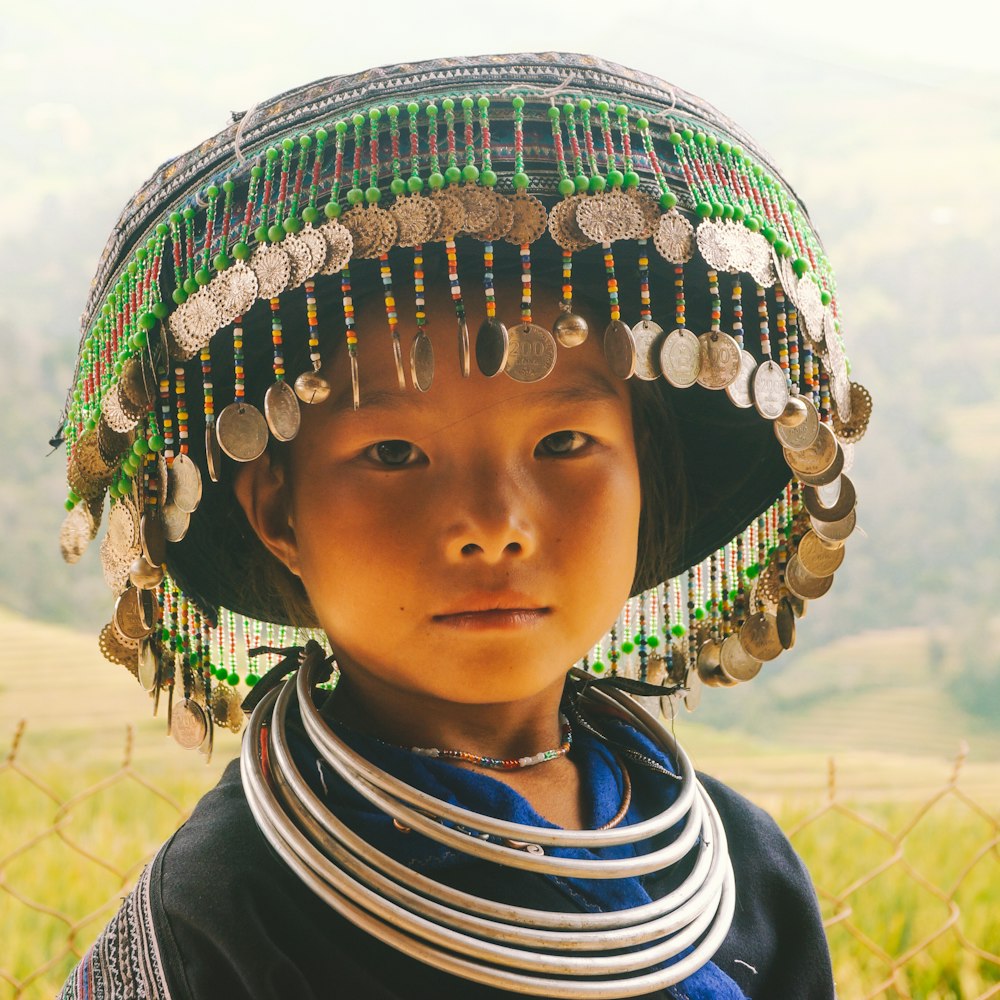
x=184, y=483
x=818, y=457
x=720, y=359
x=785, y=619
x=844, y=502
x=835, y=531
x=281, y=410
x=619, y=349
x=151, y=538
x=175, y=522
x=770, y=390
x=144, y=575
x=311, y=387
x=692, y=697
x=708, y=664
x=422, y=361
x=188, y=725
x=680, y=358
x=801, y=435
x=759, y=636
x=130, y=617
x=397, y=358
x=273, y=268
x=819, y=557
x=213, y=454
x=570, y=329
x=464, y=353
x=738, y=390
x=828, y=475
x=149, y=665
x=531, y=354
x=802, y=583
x=648, y=337
x=491, y=347
x=242, y=432
x=736, y=663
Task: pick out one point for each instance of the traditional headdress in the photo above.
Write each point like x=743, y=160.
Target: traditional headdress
x=361, y=181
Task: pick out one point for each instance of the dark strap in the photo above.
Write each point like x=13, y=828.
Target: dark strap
x=294, y=657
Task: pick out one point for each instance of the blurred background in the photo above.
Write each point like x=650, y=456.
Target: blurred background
x=885, y=121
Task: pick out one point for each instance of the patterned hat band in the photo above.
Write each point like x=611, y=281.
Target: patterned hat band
x=570, y=161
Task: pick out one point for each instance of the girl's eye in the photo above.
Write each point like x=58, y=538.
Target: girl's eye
x=394, y=453
x=563, y=443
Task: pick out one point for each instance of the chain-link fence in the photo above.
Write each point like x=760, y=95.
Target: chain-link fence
x=910, y=892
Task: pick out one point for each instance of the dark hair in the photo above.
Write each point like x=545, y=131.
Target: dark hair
x=222, y=562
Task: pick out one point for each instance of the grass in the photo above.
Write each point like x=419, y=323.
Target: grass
x=76, y=874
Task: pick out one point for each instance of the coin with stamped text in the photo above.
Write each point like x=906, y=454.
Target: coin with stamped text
x=531, y=353
x=680, y=358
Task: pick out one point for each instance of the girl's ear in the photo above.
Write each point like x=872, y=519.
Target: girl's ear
x=261, y=489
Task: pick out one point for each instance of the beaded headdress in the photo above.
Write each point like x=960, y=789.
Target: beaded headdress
x=363, y=181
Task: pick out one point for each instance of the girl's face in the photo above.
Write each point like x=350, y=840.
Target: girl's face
x=469, y=543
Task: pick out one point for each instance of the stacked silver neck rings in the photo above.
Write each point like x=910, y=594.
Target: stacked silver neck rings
x=528, y=951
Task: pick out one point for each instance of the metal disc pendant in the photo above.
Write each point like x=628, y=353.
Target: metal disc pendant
x=738, y=390
x=840, y=506
x=281, y=410
x=736, y=662
x=648, y=337
x=570, y=329
x=184, y=484
x=151, y=538
x=720, y=360
x=464, y=353
x=801, y=435
x=242, y=432
x=770, y=390
x=802, y=583
x=492, y=342
x=785, y=620
x=132, y=617
x=619, y=349
x=759, y=636
x=213, y=454
x=311, y=387
x=422, y=361
x=531, y=354
x=149, y=665
x=680, y=358
x=818, y=457
x=835, y=531
x=175, y=522
x=708, y=664
x=819, y=557
x=144, y=575
x=828, y=475
x=188, y=725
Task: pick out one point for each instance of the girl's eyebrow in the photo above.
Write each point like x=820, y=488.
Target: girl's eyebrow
x=592, y=386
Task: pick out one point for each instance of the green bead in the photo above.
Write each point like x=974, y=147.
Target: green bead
x=597, y=667
x=413, y=107
x=140, y=255
x=188, y=214
x=276, y=233
x=483, y=102
x=616, y=178
x=488, y=178
x=212, y=191
x=256, y=172
x=668, y=200
x=140, y=447
x=717, y=209
x=703, y=209
x=322, y=135
x=596, y=183
x=627, y=647
x=288, y=144
x=521, y=180
x=726, y=147
x=415, y=185
x=358, y=118
x=752, y=571
x=783, y=247
x=374, y=115
x=292, y=224
x=162, y=229
x=631, y=180
x=467, y=103
x=156, y=442
x=653, y=641
x=769, y=233
x=397, y=186
x=582, y=183
x=753, y=223
x=233, y=678
x=175, y=218
x=800, y=265
x=642, y=124
x=373, y=195
x=340, y=128
x=739, y=213
x=310, y=214
x=251, y=679
x=436, y=180
x=147, y=321
x=676, y=138
x=699, y=613
x=179, y=296
x=132, y=268
x=355, y=196
x=566, y=186
x=553, y=113
x=118, y=366
x=241, y=251
x=332, y=210
x=393, y=111
x=221, y=261
x=139, y=340
x=113, y=490
x=190, y=286
x=91, y=423
x=448, y=104
x=228, y=186
x=584, y=103
x=603, y=107
x=700, y=138
x=453, y=175
x=712, y=142
x=203, y=276
x=260, y=234
x=517, y=103
x=738, y=152
x=69, y=503
x=470, y=173
x=431, y=111
x=825, y=297
x=727, y=211
x=687, y=134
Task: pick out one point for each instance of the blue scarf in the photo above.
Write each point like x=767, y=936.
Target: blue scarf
x=478, y=791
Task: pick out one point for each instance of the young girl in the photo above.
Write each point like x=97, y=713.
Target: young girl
x=305, y=385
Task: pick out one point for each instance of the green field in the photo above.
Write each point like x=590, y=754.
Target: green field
x=67, y=771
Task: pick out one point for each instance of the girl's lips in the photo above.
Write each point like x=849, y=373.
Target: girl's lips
x=494, y=618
